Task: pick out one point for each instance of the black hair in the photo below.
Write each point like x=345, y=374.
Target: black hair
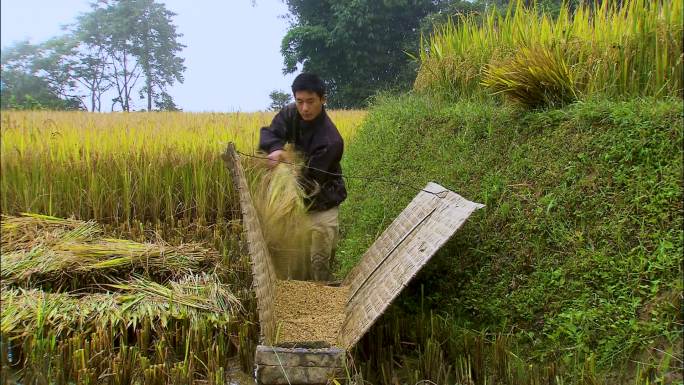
x=308, y=82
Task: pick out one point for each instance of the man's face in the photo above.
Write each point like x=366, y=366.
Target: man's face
x=309, y=104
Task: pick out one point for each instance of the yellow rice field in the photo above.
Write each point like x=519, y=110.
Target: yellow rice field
x=120, y=167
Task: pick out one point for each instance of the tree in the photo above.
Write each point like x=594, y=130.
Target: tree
x=138, y=39
x=453, y=10
x=110, y=47
x=357, y=46
x=93, y=68
x=108, y=26
x=20, y=90
x=164, y=102
x=159, y=45
x=279, y=99
x=38, y=76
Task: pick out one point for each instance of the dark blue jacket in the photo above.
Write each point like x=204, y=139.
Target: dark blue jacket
x=322, y=146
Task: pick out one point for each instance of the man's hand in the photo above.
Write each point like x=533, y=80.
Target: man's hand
x=275, y=157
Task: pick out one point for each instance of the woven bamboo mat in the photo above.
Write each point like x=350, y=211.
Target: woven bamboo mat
x=431, y=218
x=264, y=278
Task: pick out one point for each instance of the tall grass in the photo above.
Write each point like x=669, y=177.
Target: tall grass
x=617, y=49
x=114, y=168
x=435, y=349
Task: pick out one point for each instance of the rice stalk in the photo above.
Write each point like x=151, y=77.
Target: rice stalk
x=534, y=77
x=194, y=298
x=110, y=356
x=66, y=253
x=124, y=328
x=156, y=168
x=629, y=48
x=280, y=202
x=27, y=230
x=102, y=262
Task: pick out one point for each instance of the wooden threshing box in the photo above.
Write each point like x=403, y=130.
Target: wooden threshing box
x=431, y=218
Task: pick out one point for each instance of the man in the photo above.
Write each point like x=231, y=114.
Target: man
x=306, y=125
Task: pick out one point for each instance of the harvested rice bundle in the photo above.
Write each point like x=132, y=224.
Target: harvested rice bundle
x=197, y=298
x=26, y=311
x=27, y=230
x=279, y=199
x=71, y=264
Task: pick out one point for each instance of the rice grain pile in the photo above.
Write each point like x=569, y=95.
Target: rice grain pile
x=309, y=311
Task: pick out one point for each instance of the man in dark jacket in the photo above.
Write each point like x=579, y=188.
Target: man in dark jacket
x=307, y=126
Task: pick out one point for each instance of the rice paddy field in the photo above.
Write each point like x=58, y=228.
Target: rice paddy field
x=119, y=168
x=120, y=247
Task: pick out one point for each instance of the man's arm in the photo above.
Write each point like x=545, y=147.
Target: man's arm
x=272, y=138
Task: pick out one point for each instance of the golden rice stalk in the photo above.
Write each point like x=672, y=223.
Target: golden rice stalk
x=27, y=230
x=59, y=262
x=194, y=298
x=280, y=202
x=534, y=77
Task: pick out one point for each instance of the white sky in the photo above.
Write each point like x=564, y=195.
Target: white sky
x=233, y=47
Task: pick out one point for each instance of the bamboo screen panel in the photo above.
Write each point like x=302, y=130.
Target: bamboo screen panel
x=431, y=218
x=264, y=279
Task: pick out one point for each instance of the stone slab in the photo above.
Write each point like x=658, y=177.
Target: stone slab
x=278, y=365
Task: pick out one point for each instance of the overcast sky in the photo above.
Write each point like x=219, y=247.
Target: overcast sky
x=233, y=46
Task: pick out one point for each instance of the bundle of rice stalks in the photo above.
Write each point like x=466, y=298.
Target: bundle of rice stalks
x=27, y=230
x=72, y=264
x=151, y=312
x=534, y=77
x=117, y=337
x=194, y=298
x=279, y=199
x=67, y=254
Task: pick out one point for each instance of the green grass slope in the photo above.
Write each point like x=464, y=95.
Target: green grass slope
x=578, y=251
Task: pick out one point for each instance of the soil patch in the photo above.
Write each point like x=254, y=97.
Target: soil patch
x=309, y=311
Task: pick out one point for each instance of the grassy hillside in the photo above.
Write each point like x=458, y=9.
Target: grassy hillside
x=577, y=255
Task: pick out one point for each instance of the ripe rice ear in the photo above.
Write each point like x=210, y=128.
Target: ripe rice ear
x=280, y=201
x=534, y=77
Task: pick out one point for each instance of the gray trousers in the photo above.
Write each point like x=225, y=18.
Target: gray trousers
x=324, y=237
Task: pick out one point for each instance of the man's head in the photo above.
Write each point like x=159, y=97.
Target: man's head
x=309, y=95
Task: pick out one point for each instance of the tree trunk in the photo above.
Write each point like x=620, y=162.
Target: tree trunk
x=124, y=103
x=93, y=91
x=149, y=94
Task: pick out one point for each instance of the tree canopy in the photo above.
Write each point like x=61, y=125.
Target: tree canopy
x=357, y=46
x=37, y=76
x=120, y=45
x=279, y=99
